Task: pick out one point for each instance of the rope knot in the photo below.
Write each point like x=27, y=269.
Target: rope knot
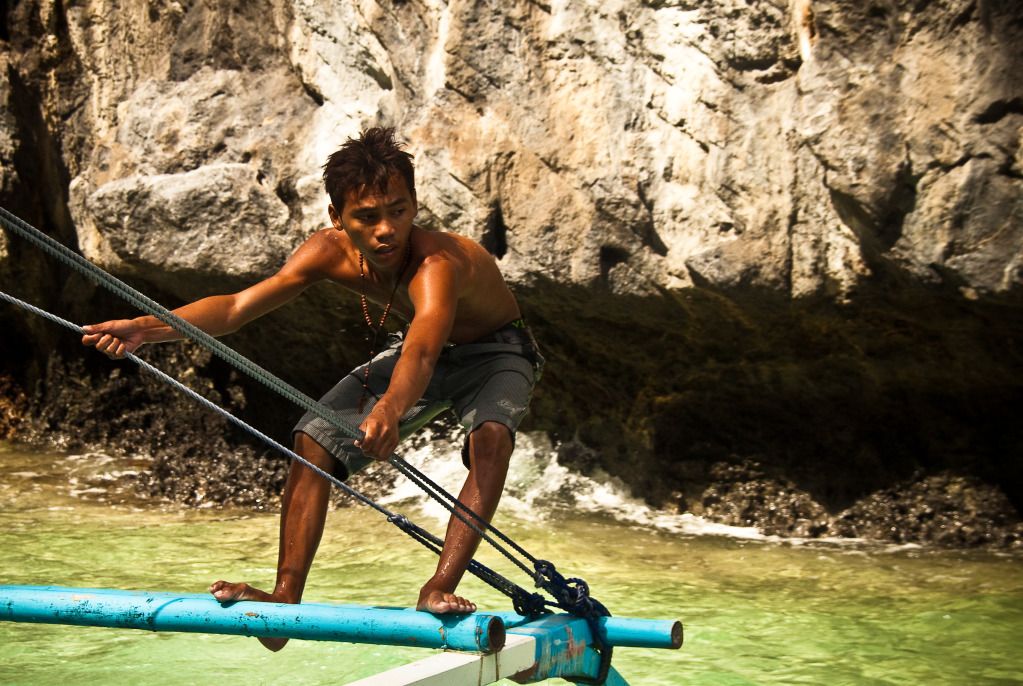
x=400, y=521
x=530, y=604
x=572, y=595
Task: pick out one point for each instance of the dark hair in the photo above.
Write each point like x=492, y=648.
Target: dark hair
x=368, y=161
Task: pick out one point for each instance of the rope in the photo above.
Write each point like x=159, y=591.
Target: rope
x=571, y=595
x=190, y=331
x=444, y=498
x=193, y=333
x=425, y=537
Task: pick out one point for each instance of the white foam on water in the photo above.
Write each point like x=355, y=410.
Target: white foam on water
x=95, y=474
x=538, y=487
x=77, y=492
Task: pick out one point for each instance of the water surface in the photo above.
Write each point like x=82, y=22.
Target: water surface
x=755, y=611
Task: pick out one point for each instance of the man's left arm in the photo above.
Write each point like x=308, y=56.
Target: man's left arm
x=434, y=294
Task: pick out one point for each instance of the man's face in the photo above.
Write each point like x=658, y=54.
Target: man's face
x=379, y=224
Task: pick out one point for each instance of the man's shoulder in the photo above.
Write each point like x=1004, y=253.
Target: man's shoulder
x=327, y=242
x=446, y=243
x=324, y=251
x=327, y=235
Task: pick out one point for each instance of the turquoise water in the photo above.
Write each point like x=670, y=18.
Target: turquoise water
x=755, y=611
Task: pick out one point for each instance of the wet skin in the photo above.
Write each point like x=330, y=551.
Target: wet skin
x=450, y=291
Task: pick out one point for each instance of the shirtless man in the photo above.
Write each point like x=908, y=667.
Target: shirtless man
x=465, y=348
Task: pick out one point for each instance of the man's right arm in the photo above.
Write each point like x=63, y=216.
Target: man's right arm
x=216, y=315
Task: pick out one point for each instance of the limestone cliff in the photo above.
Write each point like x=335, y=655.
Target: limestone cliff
x=787, y=230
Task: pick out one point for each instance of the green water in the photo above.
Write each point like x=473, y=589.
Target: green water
x=755, y=612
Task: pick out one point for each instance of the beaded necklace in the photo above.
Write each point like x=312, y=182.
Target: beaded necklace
x=376, y=329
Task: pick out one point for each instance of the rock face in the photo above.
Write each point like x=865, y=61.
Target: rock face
x=741, y=496
x=790, y=230
x=944, y=509
x=642, y=144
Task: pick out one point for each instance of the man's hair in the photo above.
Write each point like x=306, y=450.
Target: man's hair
x=368, y=161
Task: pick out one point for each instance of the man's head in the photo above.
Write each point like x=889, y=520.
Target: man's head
x=367, y=163
x=372, y=194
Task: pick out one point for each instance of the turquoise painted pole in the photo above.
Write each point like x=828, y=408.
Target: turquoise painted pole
x=624, y=632
x=203, y=614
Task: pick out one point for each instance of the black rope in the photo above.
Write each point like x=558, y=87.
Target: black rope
x=461, y=511
x=573, y=596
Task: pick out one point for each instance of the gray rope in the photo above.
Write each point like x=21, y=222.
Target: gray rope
x=452, y=505
x=425, y=537
x=187, y=329
x=197, y=335
x=190, y=331
x=206, y=403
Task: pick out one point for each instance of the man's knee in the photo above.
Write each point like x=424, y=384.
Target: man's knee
x=490, y=444
x=315, y=453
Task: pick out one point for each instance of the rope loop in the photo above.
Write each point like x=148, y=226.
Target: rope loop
x=530, y=605
x=573, y=595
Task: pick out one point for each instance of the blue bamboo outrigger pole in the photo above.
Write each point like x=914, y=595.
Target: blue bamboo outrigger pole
x=195, y=613
x=530, y=650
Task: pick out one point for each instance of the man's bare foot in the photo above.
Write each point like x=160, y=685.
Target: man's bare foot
x=227, y=592
x=441, y=603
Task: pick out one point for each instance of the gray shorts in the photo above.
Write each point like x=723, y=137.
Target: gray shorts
x=479, y=382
